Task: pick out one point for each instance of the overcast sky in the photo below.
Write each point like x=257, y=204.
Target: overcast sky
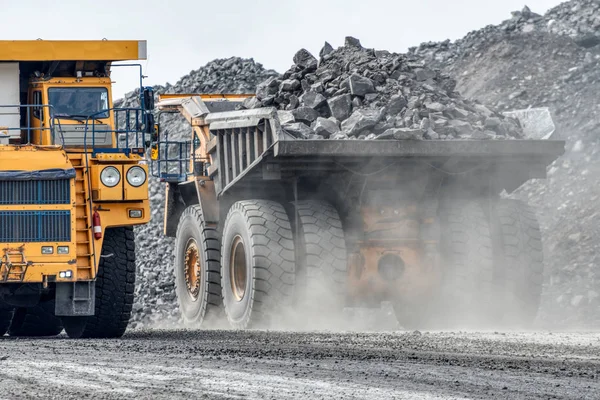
x=184, y=35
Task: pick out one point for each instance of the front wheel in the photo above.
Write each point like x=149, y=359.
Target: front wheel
x=6, y=315
x=115, y=284
x=197, y=269
x=36, y=321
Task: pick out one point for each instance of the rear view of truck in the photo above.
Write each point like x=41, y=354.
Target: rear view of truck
x=264, y=221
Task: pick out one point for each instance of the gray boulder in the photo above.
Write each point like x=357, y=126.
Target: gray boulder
x=352, y=42
x=327, y=49
x=360, y=121
x=305, y=114
x=298, y=130
x=312, y=99
x=251, y=102
x=305, y=60
x=325, y=127
x=289, y=85
x=340, y=106
x=402, y=134
x=358, y=85
x=267, y=88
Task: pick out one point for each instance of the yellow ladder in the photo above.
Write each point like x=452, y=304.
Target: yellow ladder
x=83, y=238
x=14, y=270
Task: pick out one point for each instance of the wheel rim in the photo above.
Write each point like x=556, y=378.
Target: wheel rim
x=237, y=269
x=192, y=269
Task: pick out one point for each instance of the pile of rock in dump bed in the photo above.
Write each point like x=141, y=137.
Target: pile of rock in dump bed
x=358, y=93
x=155, y=302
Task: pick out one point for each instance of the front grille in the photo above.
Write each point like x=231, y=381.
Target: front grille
x=35, y=192
x=35, y=226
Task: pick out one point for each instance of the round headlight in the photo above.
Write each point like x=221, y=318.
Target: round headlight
x=136, y=176
x=110, y=176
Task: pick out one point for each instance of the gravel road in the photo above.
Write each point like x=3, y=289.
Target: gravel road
x=277, y=365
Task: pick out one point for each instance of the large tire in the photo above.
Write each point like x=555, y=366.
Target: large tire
x=197, y=248
x=321, y=258
x=115, y=285
x=466, y=292
x=5, y=320
x=519, y=261
x=36, y=321
x=257, y=263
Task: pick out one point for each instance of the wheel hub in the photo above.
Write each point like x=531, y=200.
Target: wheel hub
x=192, y=269
x=237, y=269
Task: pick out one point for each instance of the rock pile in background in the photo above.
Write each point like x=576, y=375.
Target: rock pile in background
x=155, y=302
x=578, y=20
x=552, y=61
x=358, y=93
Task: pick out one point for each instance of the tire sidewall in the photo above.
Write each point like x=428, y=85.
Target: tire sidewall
x=192, y=310
x=238, y=312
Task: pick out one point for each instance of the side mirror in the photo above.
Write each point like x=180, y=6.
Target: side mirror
x=148, y=99
x=149, y=125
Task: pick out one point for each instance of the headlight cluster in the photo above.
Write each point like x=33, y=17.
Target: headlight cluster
x=110, y=176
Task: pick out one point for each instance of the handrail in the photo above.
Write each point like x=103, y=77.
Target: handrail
x=29, y=129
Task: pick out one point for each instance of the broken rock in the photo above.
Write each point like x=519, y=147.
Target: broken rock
x=402, y=134
x=289, y=85
x=298, y=130
x=325, y=127
x=267, y=88
x=327, y=49
x=340, y=106
x=312, y=99
x=285, y=117
x=359, y=121
x=305, y=60
x=358, y=85
x=352, y=42
x=305, y=114
x=396, y=104
x=251, y=102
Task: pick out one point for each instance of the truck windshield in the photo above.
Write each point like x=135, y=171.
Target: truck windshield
x=78, y=103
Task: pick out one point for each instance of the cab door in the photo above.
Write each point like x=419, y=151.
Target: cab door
x=36, y=125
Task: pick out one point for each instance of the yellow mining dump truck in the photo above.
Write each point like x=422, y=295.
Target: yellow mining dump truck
x=73, y=183
x=264, y=221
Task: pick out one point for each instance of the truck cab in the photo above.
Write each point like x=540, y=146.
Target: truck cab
x=73, y=183
x=70, y=101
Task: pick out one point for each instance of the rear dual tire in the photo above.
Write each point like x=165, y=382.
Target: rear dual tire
x=519, y=262
x=466, y=250
x=492, y=267
x=321, y=260
x=257, y=263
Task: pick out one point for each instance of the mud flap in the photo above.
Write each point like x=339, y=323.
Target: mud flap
x=75, y=299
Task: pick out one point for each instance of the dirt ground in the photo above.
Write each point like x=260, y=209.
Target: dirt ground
x=277, y=365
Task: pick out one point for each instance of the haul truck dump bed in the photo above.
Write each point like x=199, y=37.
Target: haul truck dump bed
x=267, y=221
x=70, y=189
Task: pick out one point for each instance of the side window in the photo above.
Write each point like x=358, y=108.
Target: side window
x=38, y=110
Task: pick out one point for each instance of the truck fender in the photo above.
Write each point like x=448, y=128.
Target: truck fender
x=180, y=196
